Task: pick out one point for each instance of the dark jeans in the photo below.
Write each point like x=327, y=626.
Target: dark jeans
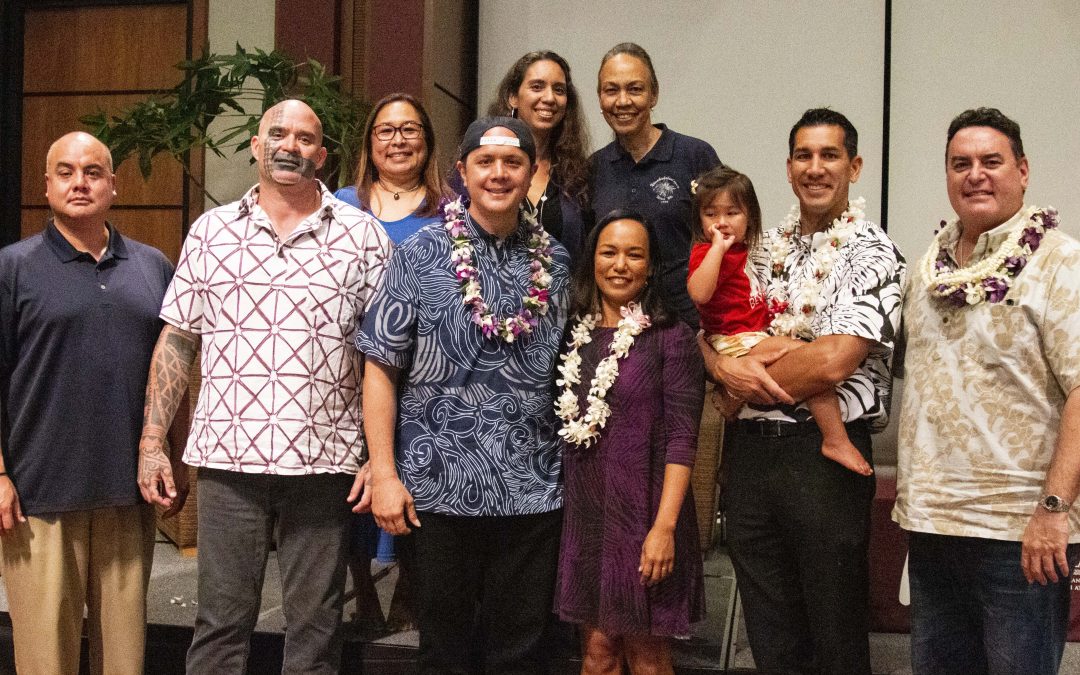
x=799, y=531
x=237, y=514
x=972, y=610
x=485, y=587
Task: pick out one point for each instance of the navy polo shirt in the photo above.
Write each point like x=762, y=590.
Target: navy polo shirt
x=657, y=187
x=76, y=337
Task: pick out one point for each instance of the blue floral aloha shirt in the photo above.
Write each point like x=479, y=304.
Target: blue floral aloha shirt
x=476, y=429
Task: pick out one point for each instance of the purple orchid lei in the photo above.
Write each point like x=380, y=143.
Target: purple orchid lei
x=533, y=305
x=990, y=279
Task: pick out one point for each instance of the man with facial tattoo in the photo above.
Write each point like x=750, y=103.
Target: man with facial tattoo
x=270, y=288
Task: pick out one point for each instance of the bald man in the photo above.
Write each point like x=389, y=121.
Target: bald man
x=78, y=320
x=270, y=287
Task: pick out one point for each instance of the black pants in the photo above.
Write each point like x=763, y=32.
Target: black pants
x=485, y=587
x=799, y=531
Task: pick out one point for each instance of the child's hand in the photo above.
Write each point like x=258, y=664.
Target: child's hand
x=721, y=238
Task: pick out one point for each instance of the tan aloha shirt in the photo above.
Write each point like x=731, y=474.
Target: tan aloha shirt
x=984, y=389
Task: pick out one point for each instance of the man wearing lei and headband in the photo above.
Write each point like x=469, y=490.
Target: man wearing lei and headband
x=798, y=522
x=461, y=346
x=989, y=446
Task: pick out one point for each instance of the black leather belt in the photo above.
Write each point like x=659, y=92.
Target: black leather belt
x=780, y=429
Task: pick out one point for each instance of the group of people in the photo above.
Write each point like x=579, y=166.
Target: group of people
x=506, y=366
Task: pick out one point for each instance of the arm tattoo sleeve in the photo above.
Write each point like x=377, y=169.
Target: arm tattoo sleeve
x=170, y=370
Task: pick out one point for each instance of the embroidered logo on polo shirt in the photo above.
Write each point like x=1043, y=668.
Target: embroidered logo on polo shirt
x=664, y=188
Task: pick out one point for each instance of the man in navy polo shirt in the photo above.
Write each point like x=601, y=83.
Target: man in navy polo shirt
x=78, y=322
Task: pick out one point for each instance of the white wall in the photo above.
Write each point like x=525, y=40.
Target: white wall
x=1023, y=58
x=250, y=23
x=737, y=74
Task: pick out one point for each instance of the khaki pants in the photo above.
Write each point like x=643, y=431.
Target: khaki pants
x=54, y=564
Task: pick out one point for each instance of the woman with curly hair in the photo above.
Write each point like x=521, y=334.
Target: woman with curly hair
x=539, y=91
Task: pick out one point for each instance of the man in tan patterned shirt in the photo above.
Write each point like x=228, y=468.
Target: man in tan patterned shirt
x=989, y=449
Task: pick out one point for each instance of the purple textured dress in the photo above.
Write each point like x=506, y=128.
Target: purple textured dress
x=613, y=490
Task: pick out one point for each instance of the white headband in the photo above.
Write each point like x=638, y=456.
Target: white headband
x=500, y=140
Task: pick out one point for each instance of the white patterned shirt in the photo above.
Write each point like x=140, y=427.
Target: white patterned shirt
x=861, y=296
x=984, y=388
x=280, y=391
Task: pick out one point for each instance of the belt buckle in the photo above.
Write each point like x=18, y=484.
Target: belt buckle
x=774, y=429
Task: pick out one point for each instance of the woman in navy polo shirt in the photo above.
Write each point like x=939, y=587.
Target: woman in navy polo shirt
x=648, y=167
x=538, y=90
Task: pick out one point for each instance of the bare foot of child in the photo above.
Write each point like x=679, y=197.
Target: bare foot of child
x=847, y=456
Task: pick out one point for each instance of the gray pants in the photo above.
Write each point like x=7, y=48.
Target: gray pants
x=237, y=515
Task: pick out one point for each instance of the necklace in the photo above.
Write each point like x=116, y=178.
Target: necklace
x=397, y=193
x=534, y=303
x=990, y=278
x=584, y=430
x=794, y=318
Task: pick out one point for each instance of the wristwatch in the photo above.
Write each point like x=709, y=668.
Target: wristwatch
x=1054, y=504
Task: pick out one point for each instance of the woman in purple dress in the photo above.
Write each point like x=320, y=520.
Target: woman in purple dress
x=631, y=387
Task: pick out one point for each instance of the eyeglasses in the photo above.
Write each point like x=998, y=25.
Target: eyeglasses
x=409, y=131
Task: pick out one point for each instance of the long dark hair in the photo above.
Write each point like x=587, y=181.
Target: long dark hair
x=367, y=173
x=585, y=298
x=738, y=186
x=569, y=140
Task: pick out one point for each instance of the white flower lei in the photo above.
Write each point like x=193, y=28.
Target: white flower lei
x=794, y=321
x=534, y=303
x=989, y=279
x=585, y=430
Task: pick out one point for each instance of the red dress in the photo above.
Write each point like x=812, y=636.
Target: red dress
x=732, y=309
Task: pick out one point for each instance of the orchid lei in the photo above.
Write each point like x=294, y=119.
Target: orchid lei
x=990, y=278
x=534, y=303
x=584, y=430
x=794, y=319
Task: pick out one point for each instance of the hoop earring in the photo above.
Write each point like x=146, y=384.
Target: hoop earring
x=513, y=113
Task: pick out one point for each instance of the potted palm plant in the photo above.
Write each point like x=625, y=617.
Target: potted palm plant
x=227, y=88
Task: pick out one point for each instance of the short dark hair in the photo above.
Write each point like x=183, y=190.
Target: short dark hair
x=821, y=117
x=987, y=117
x=638, y=52
x=585, y=298
x=719, y=179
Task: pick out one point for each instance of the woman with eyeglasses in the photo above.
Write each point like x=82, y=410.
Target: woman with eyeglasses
x=538, y=90
x=397, y=176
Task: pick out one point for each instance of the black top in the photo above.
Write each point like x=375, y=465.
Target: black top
x=76, y=337
x=548, y=211
x=658, y=187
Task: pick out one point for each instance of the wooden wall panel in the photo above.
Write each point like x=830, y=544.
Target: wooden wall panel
x=104, y=48
x=453, y=62
x=46, y=118
x=82, y=59
x=33, y=220
x=159, y=228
